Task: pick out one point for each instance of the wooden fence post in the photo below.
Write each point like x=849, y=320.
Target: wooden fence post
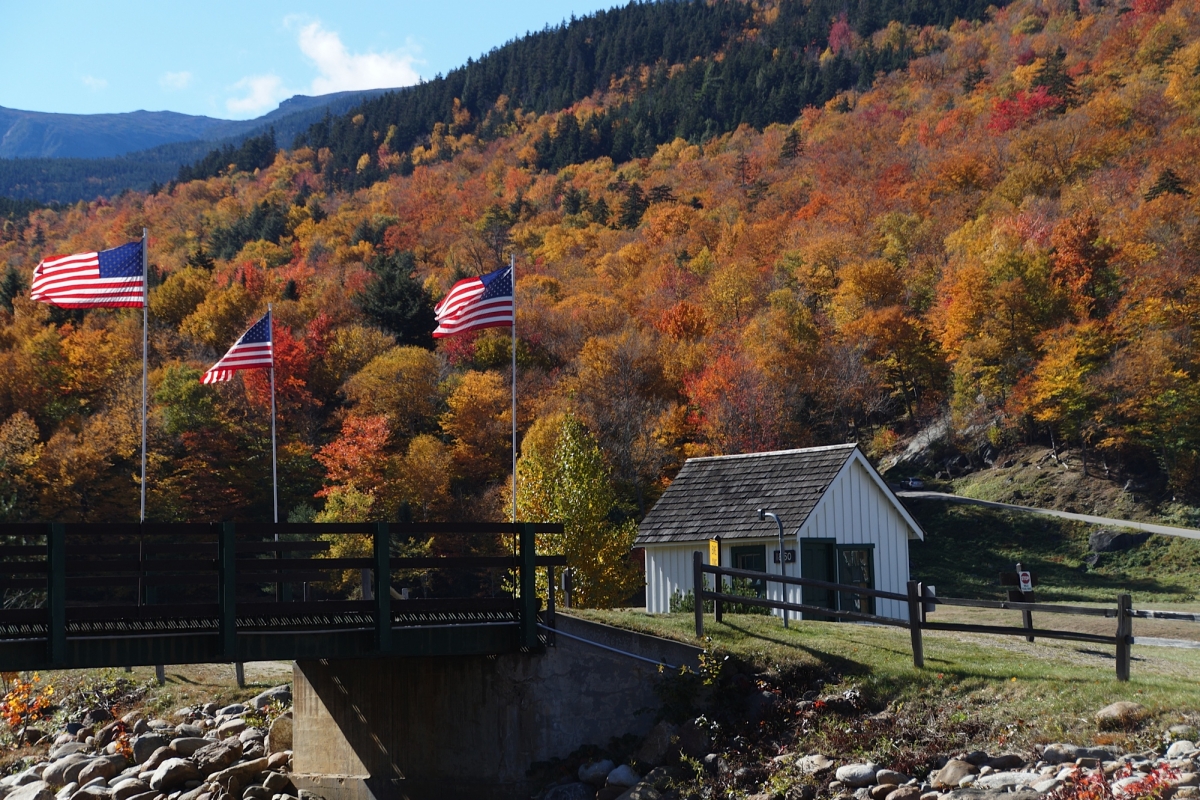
x=56, y=592
x=1124, y=636
x=698, y=587
x=528, y=583
x=382, y=546
x=914, y=623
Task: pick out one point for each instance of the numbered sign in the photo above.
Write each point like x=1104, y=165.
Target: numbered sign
x=714, y=552
x=789, y=556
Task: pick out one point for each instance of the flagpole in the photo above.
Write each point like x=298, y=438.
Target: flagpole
x=145, y=357
x=274, y=470
x=512, y=265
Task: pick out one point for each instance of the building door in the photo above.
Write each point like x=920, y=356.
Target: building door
x=751, y=557
x=856, y=567
x=817, y=563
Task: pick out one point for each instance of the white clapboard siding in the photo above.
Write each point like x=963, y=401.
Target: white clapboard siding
x=855, y=509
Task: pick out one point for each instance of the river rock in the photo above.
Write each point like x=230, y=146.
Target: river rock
x=1181, y=749
x=1006, y=780
x=276, y=782
x=814, y=763
x=642, y=791
x=145, y=745
x=38, y=790
x=57, y=773
x=857, y=775
x=623, y=776
x=279, y=737
x=103, y=767
x=1006, y=761
x=951, y=775
x=172, y=774
x=279, y=694
x=127, y=788
x=1059, y=753
x=279, y=760
x=92, y=792
x=571, y=791
x=251, y=734
x=596, y=772
x=188, y=730
x=656, y=747
x=904, y=793
x=66, y=749
x=1121, y=714
x=157, y=759
x=217, y=756
x=233, y=710
x=186, y=746
x=65, y=792
x=231, y=727
x=890, y=777
x=973, y=793
x=240, y=772
x=255, y=793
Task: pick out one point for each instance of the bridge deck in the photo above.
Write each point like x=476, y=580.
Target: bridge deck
x=123, y=595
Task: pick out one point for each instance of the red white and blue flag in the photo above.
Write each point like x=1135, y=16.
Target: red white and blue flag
x=475, y=303
x=108, y=279
x=253, y=351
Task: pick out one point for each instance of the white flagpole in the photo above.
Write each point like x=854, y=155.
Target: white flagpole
x=274, y=471
x=512, y=271
x=145, y=357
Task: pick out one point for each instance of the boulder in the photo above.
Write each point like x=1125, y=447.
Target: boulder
x=571, y=791
x=217, y=756
x=595, y=772
x=661, y=778
x=642, y=791
x=1007, y=780
x=231, y=727
x=57, y=773
x=279, y=694
x=1109, y=541
x=904, y=793
x=94, y=792
x=1059, y=753
x=127, y=788
x=857, y=775
x=232, y=710
x=623, y=776
x=279, y=737
x=656, y=747
x=241, y=772
x=251, y=735
x=1121, y=715
x=186, y=746
x=1006, y=761
x=255, y=793
x=814, y=763
x=172, y=774
x=65, y=792
x=103, y=767
x=951, y=775
x=188, y=730
x=157, y=758
x=1181, y=749
x=880, y=790
x=276, y=782
x=890, y=777
x=279, y=760
x=145, y=745
x=66, y=749
x=96, y=715
x=38, y=790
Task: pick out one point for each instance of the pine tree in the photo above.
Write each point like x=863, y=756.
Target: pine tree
x=1053, y=75
x=793, y=145
x=975, y=75
x=1167, y=183
x=633, y=208
x=10, y=287
x=395, y=302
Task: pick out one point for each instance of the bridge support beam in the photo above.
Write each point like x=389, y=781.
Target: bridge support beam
x=469, y=727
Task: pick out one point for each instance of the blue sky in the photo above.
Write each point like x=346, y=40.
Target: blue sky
x=236, y=59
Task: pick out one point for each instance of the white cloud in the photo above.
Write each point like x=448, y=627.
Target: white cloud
x=342, y=71
x=261, y=92
x=175, y=80
x=93, y=83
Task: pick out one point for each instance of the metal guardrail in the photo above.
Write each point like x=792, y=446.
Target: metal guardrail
x=919, y=601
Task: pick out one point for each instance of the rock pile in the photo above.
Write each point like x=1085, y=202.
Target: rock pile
x=1173, y=772
x=206, y=753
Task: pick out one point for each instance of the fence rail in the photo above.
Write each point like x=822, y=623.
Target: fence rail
x=79, y=594
x=919, y=601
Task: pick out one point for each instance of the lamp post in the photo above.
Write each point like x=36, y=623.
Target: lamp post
x=763, y=514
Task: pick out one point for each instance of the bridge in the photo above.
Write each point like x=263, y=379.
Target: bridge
x=111, y=595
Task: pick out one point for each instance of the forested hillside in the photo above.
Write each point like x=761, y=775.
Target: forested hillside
x=1004, y=229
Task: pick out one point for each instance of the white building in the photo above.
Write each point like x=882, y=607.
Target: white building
x=844, y=523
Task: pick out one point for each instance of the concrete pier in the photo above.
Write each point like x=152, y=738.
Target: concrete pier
x=470, y=727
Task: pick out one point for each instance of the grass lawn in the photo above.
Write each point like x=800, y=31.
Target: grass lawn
x=1014, y=694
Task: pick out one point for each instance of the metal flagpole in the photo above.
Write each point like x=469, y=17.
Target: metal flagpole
x=274, y=472
x=145, y=357
x=512, y=273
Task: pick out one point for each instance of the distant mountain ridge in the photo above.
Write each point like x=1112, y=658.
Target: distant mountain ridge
x=37, y=134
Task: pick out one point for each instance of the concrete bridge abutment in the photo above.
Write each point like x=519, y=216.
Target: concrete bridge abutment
x=470, y=726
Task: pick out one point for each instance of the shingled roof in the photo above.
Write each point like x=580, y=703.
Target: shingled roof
x=719, y=496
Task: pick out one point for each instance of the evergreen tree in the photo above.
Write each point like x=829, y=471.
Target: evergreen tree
x=1167, y=183
x=10, y=287
x=201, y=259
x=1053, y=75
x=793, y=145
x=974, y=76
x=395, y=302
x=633, y=208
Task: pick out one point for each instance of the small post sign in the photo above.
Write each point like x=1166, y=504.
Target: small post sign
x=714, y=551
x=1025, y=578
x=789, y=556
x=1021, y=582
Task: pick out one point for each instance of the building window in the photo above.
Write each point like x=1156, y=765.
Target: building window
x=751, y=557
x=856, y=568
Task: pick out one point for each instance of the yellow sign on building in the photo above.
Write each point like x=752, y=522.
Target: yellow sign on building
x=714, y=552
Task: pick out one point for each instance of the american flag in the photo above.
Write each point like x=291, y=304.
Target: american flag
x=475, y=303
x=108, y=279
x=253, y=351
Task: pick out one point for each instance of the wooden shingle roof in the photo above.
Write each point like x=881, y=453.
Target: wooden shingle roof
x=720, y=496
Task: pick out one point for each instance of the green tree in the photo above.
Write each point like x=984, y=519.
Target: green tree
x=395, y=302
x=562, y=477
x=10, y=287
x=1058, y=82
